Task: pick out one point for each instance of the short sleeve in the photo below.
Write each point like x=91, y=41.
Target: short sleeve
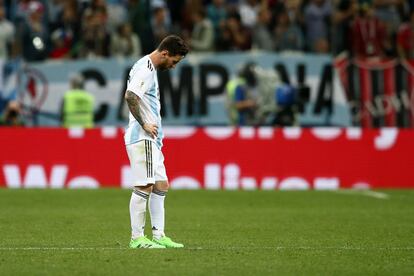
x=139, y=81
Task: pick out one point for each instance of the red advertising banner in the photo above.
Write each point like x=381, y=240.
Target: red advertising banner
x=213, y=158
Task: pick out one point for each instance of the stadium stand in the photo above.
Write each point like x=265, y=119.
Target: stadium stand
x=38, y=30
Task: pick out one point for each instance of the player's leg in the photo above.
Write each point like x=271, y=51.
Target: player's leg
x=137, y=210
x=156, y=202
x=156, y=207
x=143, y=182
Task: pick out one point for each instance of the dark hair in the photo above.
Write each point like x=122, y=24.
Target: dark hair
x=248, y=74
x=175, y=45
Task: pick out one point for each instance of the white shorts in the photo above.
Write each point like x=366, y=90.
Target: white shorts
x=147, y=163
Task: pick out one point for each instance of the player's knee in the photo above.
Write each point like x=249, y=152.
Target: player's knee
x=146, y=189
x=162, y=186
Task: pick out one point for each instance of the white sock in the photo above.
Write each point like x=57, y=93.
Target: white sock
x=156, y=208
x=137, y=208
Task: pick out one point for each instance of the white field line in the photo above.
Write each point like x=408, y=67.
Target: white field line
x=310, y=248
x=369, y=193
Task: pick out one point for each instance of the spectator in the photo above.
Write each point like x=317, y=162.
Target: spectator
x=262, y=37
x=187, y=21
x=35, y=36
x=125, y=43
x=369, y=34
x=139, y=17
x=248, y=12
x=95, y=37
x=78, y=105
x=55, y=11
x=71, y=26
x=342, y=18
x=405, y=39
x=12, y=115
x=293, y=9
x=202, y=36
x=21, y=12
x=316, y=15
x=288, y=35
x=159, y=23
x=236, y=24
x=117, y=13
x=98, y=5
x=388, y=12
x=233, y=35
x=60, y=45
x=7, y=33
x=217, y=13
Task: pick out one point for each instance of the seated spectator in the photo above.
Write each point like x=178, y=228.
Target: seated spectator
x=405, y=39
x=262, y=37
x=35, y=36
x=12, y=115
x=125, y=43
x=202, y=36
x=368, y=34
x=317, y=12
x=288, y=36
x=6, y=34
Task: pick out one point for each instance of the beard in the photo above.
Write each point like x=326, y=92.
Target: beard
x=163, y=67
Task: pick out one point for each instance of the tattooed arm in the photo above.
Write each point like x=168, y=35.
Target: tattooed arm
x=133, y=105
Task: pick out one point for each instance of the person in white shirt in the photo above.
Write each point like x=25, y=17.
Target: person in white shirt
x=202, y=36
x=6, y=34
x=143, y=140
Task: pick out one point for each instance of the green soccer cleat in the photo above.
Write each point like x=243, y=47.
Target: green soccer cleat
x=167, y=242
x=144, y=242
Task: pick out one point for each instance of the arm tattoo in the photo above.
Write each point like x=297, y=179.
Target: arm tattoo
x=133, y=104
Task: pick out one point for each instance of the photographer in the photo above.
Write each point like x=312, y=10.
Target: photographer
x=12, y=115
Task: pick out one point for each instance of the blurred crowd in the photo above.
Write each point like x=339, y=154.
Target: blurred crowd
x=70, y=29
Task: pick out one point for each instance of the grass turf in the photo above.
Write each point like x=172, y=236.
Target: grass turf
x=86, y=232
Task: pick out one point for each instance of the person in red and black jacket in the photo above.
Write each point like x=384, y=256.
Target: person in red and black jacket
x=369, y=34
x=405, y=39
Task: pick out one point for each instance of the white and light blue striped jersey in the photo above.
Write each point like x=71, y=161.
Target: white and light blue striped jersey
x=143, y=82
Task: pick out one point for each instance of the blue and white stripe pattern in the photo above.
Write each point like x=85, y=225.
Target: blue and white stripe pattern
x=143, y=81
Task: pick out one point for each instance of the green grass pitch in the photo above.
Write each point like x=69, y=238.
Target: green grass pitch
x=86, y=232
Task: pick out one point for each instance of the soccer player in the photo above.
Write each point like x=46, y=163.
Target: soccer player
x=143, y=140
